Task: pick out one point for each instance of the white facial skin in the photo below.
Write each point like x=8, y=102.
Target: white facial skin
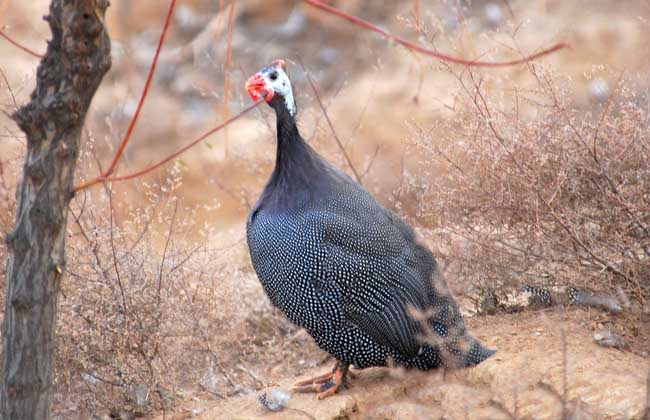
x=277, y=80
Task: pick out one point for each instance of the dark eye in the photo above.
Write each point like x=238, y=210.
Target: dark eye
x=274, y=75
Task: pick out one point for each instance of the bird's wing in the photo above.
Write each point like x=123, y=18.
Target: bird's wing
x=383, y=275
x=391, y=326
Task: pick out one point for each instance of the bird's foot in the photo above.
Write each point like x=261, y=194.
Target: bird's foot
x=325, y=385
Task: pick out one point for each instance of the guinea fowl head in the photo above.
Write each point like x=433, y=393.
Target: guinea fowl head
x=272, y=83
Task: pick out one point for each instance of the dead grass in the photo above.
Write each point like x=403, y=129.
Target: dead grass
x=557, y=198
x=148, y=318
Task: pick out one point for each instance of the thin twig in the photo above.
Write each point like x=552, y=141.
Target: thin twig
x=145, y=91
x=371, y=162
x=329, y=122
x=460, y=14
x=164, y=255
x=104, y=380
x=168, y=158
x=241, y=198
x=415, y=47
x=549, y=389
x=217, y=30
x=362, y=114
x=416, y=15
x=11, y=91
x=501, y=408
x=208, y=390
x=429, y=138
x=507, y=3
x=241, y=366
x=113, y=251
x=327, y=105
x=602, y=116
x=646, y=413
x=565, y=367
x=161, y=396
x=19, y=45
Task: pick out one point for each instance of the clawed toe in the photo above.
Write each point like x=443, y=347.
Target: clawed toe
x=317, y=380
x=325, y=385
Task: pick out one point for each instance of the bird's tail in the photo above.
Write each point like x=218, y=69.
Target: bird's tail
x=476, y=354
x=452, y=354
x=464, y=351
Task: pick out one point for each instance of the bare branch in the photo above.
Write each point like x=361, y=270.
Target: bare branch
x=19, y=45
x=417, y=48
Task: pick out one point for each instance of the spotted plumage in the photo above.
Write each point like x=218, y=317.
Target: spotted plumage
x=543, y=296
x=539, y=296
x=339, y=264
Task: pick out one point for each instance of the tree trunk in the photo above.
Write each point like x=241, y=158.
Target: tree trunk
x=77, y=58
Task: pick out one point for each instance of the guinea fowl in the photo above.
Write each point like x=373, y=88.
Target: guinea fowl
x=340, y=265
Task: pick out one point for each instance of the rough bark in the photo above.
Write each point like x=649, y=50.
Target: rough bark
x=77, y=58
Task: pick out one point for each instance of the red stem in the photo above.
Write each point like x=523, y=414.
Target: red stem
x=3, y=8
x=414, y=47
x=227, y=74
x=459, y=11
x=145, y=91
x=168, y=158
x=17, y=44
x=416, y=13
x=217, y=31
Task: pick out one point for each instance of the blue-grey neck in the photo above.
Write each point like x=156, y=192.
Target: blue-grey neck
x=300, y=175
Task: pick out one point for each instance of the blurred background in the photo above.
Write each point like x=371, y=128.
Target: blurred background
x=373, y=90
x=504, y=172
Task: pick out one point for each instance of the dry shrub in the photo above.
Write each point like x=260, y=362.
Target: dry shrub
x=147, y=316
x=527, y=187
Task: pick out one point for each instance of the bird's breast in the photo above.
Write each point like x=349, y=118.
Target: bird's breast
x=289, y=260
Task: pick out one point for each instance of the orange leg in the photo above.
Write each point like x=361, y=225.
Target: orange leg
x=325, y=385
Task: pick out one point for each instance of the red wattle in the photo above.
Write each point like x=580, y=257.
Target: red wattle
x=257, y=89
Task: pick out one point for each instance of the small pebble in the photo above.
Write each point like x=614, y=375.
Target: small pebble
x=294, y=26
x=276, y=400
x=91, y=379
x=493, y=15
x=141, y=394
x=185, y=17
x=599, y=89
x=118, y=52
x=602, y=301
x=328, y=56
x=609, y=339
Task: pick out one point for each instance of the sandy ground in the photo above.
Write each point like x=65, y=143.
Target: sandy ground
x=370, y=88
x=524, y=380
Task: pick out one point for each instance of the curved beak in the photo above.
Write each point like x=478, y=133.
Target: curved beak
x=257, y=88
